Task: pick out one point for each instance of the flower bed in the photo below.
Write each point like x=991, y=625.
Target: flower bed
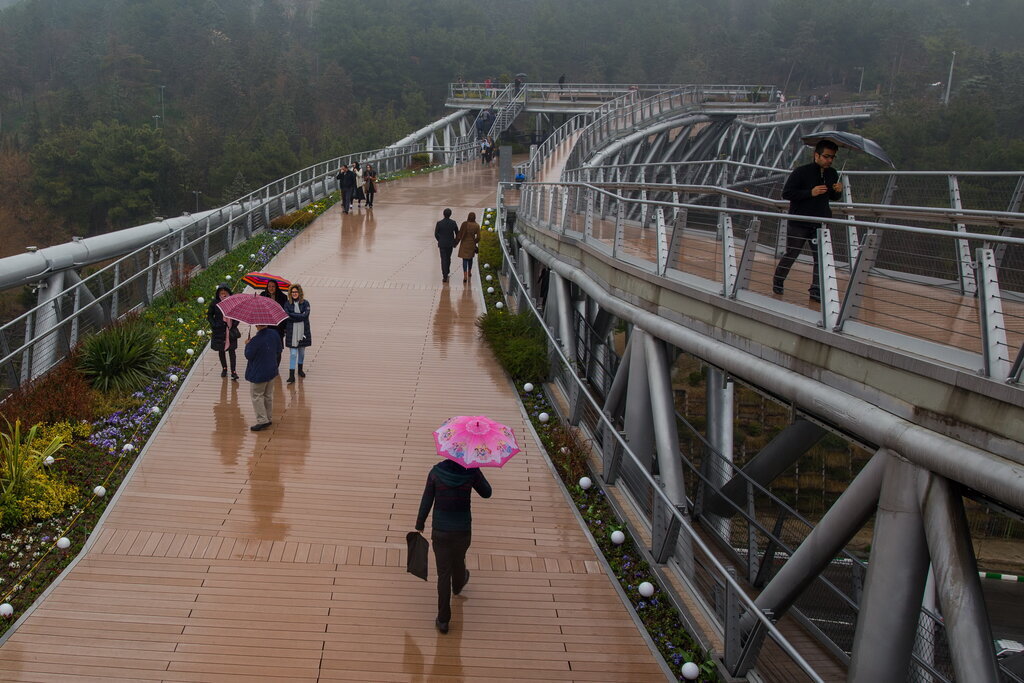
x=100, y=453
x=569, y=454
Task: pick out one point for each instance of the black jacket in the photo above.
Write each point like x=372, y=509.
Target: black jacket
x=798, y=191
x=220, y=340
x=446, y=232
x=346, y=180
x=448, y=489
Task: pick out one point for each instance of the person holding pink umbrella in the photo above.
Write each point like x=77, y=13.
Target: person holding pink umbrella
x=468, y=443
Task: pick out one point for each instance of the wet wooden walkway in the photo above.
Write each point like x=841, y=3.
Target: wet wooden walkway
x=279, y=555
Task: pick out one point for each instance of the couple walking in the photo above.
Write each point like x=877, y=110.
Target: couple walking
x=466, y=236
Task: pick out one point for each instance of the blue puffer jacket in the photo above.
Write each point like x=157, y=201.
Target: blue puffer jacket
x=262, y=352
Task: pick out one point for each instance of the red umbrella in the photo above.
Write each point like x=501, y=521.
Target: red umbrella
x=254, y=310
x=260, y=280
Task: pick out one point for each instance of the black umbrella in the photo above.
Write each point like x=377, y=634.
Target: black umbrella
x=850, y=141
x=520, y=75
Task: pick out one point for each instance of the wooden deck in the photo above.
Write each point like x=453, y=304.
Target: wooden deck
x=279, y=555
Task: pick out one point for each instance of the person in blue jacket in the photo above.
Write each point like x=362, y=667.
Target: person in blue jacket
x=297, y=336
x=262, y=352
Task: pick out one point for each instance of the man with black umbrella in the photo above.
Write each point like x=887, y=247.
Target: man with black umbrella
x=808, y=189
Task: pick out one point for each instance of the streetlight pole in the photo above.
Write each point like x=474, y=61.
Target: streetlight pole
x=197, y=193
x=162, y=102
x=949, y=80
x=860, y=86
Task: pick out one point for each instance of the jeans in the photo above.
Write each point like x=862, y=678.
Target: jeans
x=797, y=236
x=299, y=353
x=446, y=260
x=450, y=557
x=467, y=264
x=263, y=401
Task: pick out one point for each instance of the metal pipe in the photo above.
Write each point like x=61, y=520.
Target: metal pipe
x=663, y=412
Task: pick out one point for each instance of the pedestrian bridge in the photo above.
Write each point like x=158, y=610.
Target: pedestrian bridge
x=645, y=240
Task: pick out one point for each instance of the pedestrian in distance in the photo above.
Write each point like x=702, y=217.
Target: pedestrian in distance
x=359, y=195
x=448, y=490
x=262, y=352
x=224, y=333
x=561, y=82
x=446, y=233
x=468, y=240
x=369, y=185
x=347, y=186
x=297, y=338
x=808, y=189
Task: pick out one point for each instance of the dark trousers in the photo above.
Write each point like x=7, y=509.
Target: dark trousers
x=450, y=557
x=223, y=361
x=346, y=198
x=446, y=260
x=798, y=235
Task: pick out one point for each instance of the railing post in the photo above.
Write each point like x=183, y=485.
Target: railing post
x=828, y=284
x=968, y=285
x=620, y=229
x=747, y=257
x=662, y=240
x=990, y=315
x=728, y=255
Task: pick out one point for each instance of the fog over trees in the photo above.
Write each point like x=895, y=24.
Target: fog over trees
x=114, y=111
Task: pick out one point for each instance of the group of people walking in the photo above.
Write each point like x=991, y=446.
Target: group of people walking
x=357, y=184
x=263, y=350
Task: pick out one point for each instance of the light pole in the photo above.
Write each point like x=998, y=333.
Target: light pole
x=860, y=86
x=197, y=193
x=949, y=81
x=162, y=102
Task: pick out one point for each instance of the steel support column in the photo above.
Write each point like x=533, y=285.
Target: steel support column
x=639, y=422
x=718, y=464
x=887, y=623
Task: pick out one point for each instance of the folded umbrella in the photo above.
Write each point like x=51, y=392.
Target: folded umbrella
x=475, y=441
x=850, y=141
x=260, y=280
x=252, y=309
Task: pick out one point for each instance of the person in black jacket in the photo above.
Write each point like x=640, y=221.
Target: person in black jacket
x=448, y=490
x=808, y=189
x=347, y=186
x=223, y=337
x=274, y=292
x=446, y=233
x=262, y=351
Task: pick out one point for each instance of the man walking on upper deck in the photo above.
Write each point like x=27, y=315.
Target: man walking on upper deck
x=808, y=189
x=446, y=233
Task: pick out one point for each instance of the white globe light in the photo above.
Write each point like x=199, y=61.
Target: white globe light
x=690, y=671
x=240, y=266
x=155, y=410
x=228, y=277
x=563, y=450
x=252, y=255
x=127, y=448
x=200, y=300
x=63, y=542
x=173, y=378
x=499, y=305
x=99, y=491
x=275, y=238
x=201, y=333
x=48, y=460
x=190, y=352
x=527, y=387
x=6, y=610
x=490, y=229
x=487, y=266
x=646, y=589
x=543, y=417
x=618, y=538
x=490, y=290
x=488, y=278
x=180, y=320
x=585, y=483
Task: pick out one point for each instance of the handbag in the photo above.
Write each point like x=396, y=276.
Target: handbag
x=234, y=332
x=416, y=561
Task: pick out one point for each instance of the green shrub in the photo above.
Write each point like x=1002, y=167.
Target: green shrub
x=125, y=357
x=420, y=160
x=518, y=343
x=26, y=492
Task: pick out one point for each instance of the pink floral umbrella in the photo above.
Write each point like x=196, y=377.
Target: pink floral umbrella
x=475, y=441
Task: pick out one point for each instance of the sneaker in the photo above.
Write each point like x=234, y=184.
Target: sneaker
x=442, y=626
x=260, y=427
x=777, y=289
x=224, y=372
x=234, y=376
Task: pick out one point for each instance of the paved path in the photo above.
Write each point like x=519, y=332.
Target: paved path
x=279, y=555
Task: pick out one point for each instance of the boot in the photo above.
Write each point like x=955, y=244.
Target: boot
x=301, y=373
x=291, y=377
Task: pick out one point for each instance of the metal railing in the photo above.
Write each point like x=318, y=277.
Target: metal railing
x=912, y=280
x=711, y=581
